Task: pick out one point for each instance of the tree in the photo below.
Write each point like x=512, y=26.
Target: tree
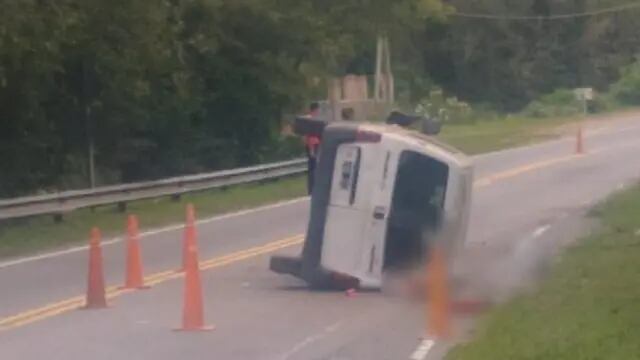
x=166, y=87
x=510, y=62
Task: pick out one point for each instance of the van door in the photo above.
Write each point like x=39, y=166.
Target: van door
x=348, y=205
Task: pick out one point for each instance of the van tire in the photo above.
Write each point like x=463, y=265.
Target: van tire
x=304, y=126
x=286, y=265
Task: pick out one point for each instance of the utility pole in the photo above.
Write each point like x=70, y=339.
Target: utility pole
x=384, y=82
x=88, y=126
x=92, y=168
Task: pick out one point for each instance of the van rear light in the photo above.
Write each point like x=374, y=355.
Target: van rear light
x=368, y=136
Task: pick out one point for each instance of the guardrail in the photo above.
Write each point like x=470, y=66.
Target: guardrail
x=64, y=202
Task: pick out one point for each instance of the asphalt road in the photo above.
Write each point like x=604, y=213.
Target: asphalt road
x=527, y=202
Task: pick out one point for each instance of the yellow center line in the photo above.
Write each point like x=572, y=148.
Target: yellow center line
x=112, y=292
x=488, y=180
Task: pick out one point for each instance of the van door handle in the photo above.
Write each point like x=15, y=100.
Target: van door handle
x=379, y=213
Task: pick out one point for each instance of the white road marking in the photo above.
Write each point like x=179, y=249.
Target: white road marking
x=527, y=250
x=310, y=340
x=118, y=239
x=540, y=231
x=423, y=350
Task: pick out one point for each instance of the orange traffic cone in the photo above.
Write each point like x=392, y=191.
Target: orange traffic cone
x=189, y=234
x=579, y=141
x=438, y=301
x=193, y=308
x=133, y=279
x=96, y=298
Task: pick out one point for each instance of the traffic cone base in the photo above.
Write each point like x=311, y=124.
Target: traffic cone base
x=95, y=306
x=197, y=329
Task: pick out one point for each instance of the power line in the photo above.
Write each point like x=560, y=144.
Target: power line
x=614, y=9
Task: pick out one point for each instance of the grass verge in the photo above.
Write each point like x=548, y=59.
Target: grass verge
x=504, y=133
x=586, y=309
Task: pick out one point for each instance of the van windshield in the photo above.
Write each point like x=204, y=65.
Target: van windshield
x=418, y=199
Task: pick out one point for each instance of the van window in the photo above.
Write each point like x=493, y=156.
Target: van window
x=354, y=183
x=348, y=166
x=346, y=173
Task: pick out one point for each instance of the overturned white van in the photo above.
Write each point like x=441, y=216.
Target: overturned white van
x=381, y=192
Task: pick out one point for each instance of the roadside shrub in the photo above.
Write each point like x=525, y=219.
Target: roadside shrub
x=626, y=91
x=561, y=102
x=445, y=109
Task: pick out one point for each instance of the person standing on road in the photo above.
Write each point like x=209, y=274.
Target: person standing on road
x=312, y=145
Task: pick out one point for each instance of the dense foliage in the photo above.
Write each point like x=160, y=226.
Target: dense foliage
x=508, y=63
x=166, y=87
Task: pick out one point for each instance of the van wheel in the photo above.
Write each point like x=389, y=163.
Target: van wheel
x=307, y=126
x=286, y=265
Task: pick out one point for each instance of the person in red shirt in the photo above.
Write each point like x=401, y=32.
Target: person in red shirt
x=312, y=146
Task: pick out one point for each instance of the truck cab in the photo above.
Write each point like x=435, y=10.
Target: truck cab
x=382, y=193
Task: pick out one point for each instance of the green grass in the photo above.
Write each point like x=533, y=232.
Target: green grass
x=39, y=233
x=588, y=308
x=500, y=134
